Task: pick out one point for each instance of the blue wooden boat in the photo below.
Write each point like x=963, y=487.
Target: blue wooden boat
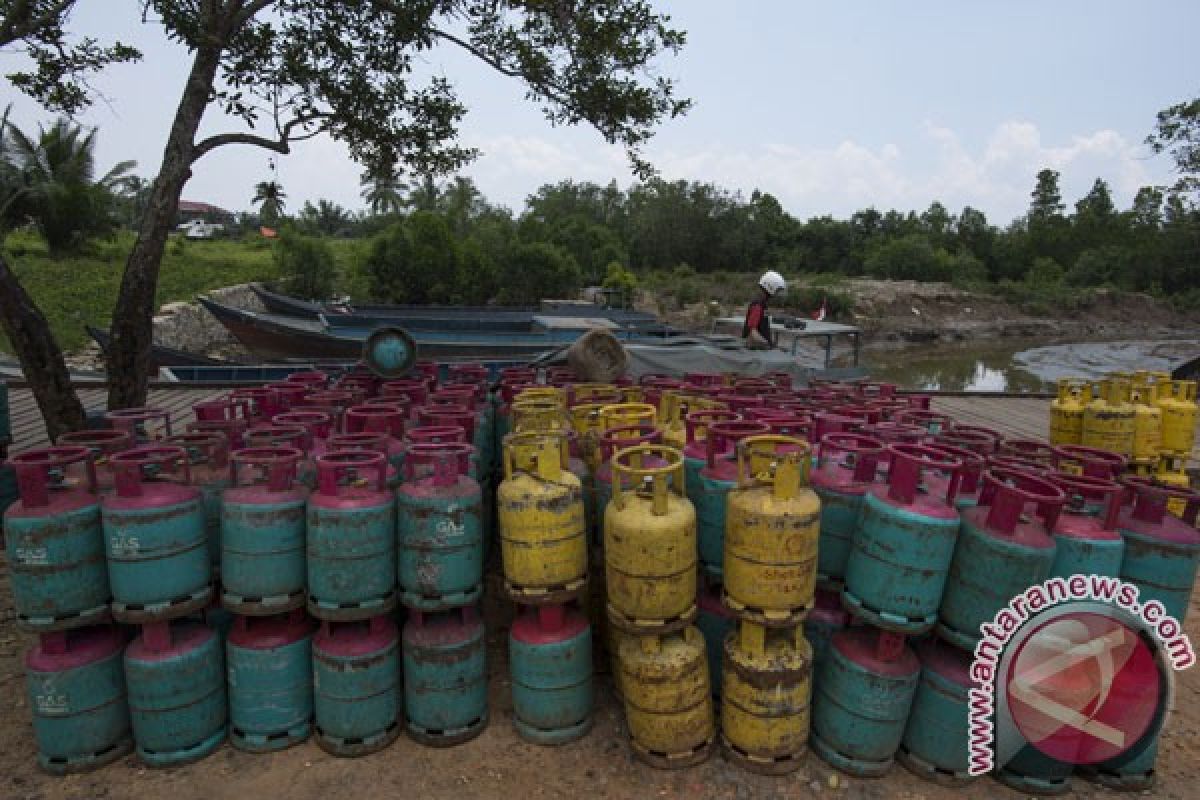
x=377, y=314
x=275, y=336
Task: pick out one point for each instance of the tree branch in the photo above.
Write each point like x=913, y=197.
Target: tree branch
x=249, y=12
x=552, y=91
x=280, y=145
x=475, y=51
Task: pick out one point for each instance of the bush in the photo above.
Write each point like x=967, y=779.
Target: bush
x=536, y=271
x=910, y=257
x=414, y=261
x=1188, y=300
x=306, y=266
x=802, y=301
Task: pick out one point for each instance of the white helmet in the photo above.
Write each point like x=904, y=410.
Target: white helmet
x=772, y=283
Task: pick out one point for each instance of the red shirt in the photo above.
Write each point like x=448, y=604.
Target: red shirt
x=758, y=320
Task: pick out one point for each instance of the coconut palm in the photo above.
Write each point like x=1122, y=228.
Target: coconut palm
x=58, y=190
x=270, y=197
x=383, y=190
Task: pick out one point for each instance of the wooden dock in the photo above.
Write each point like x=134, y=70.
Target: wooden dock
x=1015, y=417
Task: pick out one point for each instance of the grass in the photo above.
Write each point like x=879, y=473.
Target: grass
x=81, y=289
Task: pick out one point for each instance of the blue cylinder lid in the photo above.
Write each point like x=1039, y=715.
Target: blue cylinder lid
x=390, y=352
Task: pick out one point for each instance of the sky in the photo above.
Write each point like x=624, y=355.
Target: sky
x=831, y=107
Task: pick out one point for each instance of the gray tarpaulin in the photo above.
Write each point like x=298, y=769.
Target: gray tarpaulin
x=708, y=354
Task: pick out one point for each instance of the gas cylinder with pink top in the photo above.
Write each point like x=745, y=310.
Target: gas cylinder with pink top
x=155, y=536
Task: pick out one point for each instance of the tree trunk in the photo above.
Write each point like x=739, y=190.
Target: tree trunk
x=41, y=359
x=132, y=332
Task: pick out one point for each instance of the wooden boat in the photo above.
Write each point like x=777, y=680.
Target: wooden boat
x=378, y=314
x=1187, y=371
x=276, y=336
x=161, y=356
x=273, y=336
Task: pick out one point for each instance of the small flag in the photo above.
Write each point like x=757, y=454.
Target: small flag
x=819, y=314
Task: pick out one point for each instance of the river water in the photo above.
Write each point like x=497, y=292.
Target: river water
x=1021, y=366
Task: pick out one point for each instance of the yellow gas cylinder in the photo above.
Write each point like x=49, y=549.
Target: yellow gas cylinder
x=650, y=542
x=540, y=414
x=1177, y=399
x=765, y=692
x=665, y=686
x=1172, y=471
x=772, y=524
x=618, y=415
x=592, y=392
x=631, y=394
x=1066, y=411
x=676, y=406
x=539, y=504
x=587, y=426
x=552, y=393
x=1147, y=424
x=1108, y=419
x=672, y=408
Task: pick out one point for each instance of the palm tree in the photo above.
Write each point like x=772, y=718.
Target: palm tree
x=383, y=190
x=426, y=195
x=58, y=191
x=270, y=197
x=326, y=217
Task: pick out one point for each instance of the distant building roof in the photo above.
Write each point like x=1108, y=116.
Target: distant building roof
x=193, y=207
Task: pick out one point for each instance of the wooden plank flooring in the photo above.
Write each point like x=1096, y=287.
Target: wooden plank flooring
x=29, y=431
x=1015, y=417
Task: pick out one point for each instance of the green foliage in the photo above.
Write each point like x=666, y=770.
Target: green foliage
x=305, y=265
x=910, y=257
x=79, y=288
x=60, y=67
x=1045, y=273
x=49, y=180
x=617, y=277
x=326, y=218
x=270, y=198
x=419, y=260
x=538, y=270
x=802, y=301
x=1177, y=132
x=354, y=69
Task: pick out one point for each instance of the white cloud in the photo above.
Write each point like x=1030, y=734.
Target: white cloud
x=995, y=173
x=996, y=176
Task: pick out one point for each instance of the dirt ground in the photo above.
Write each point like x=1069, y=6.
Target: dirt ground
x=900, y=313
x=498, y=763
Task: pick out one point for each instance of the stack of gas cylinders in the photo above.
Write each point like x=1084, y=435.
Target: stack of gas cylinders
x=648, y=526
x=308, y=558
x=1146, y=417
x=173, y=578
x=542, y=516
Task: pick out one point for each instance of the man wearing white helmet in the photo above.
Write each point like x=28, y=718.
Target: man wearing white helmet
x=757, y=329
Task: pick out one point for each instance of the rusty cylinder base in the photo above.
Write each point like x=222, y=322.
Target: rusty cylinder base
x=88, y=763
x=172, y=609
x=769, y=618
x=354, y=748
x=450, y=738
x=651, y=627
x=855, y=767
x=545, y=595
x=926, y=771
x=690, y=758
x=783, y=765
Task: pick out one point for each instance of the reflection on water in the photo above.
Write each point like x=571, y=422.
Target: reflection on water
x=1022, y=367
